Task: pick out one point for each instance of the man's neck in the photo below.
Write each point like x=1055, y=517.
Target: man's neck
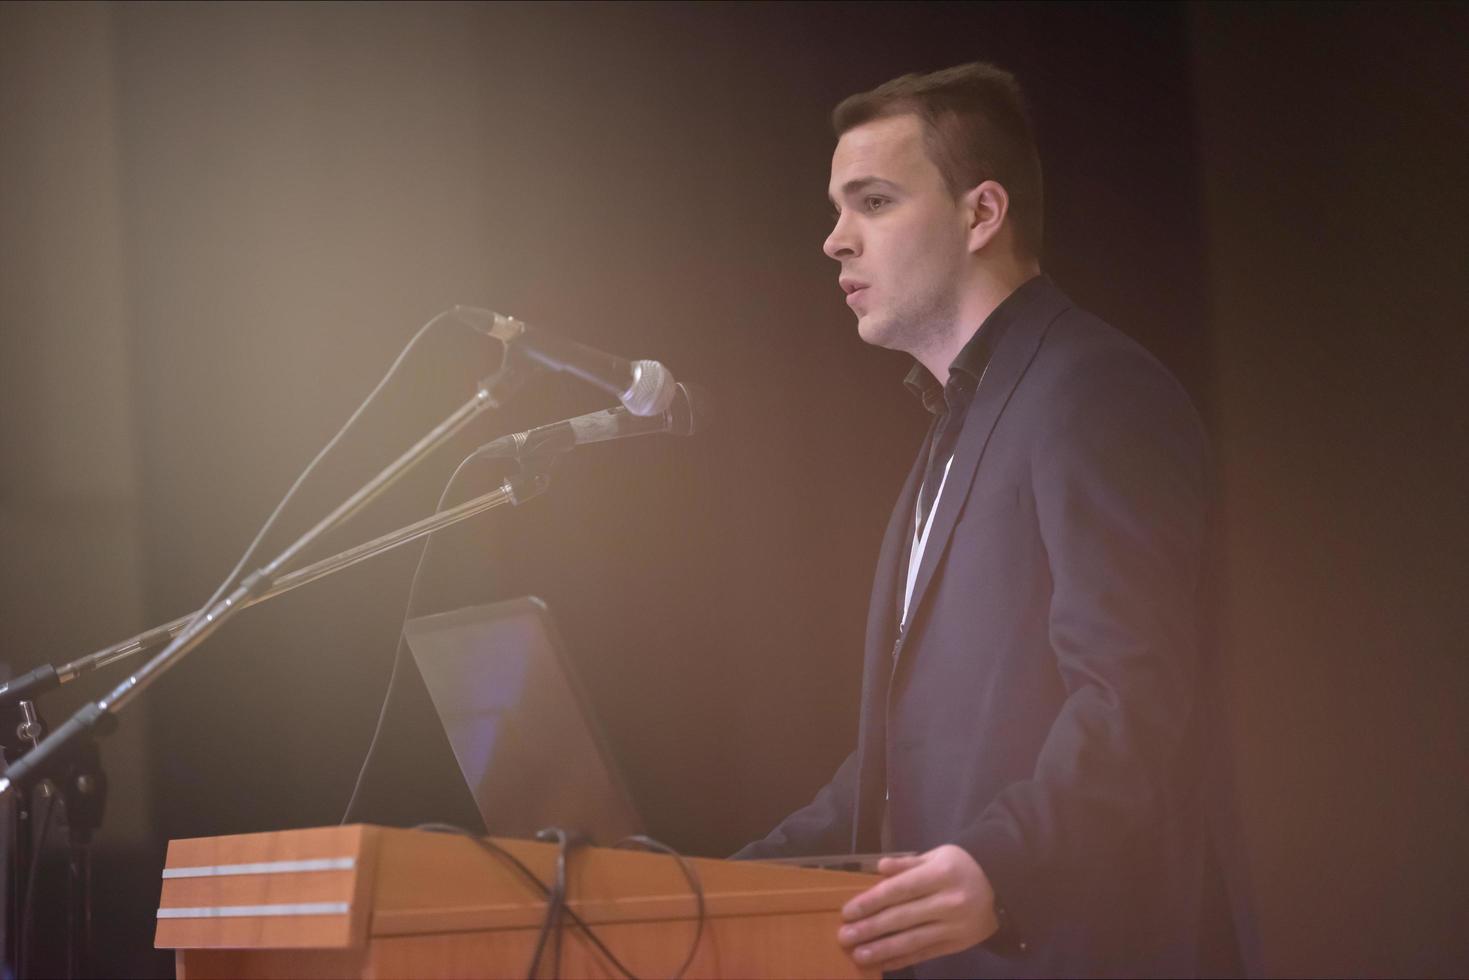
x=985, y=293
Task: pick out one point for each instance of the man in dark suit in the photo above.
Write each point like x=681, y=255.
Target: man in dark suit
x=1032, y=718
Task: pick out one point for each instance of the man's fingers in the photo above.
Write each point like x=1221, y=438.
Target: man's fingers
x=895, y=918
x=894, y=865
x=897, y=951
x=904, y=886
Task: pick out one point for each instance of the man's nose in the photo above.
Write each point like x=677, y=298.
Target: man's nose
x=842, y=243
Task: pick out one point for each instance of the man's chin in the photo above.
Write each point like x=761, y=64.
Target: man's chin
x=875, y=330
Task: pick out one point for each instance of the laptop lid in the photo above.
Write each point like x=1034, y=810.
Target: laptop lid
x=523, y=733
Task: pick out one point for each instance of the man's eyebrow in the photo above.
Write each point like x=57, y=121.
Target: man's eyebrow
x=859, y=184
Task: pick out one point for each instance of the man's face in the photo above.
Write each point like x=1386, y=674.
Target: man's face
x=900, y=235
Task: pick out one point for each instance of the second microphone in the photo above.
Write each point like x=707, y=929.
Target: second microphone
x=686, y=414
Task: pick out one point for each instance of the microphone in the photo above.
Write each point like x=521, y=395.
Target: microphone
x=645, y=388
x=686, y=414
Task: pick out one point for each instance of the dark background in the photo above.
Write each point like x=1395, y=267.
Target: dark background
x=220, y=223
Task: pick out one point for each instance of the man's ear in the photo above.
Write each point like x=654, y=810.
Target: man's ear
x=985, y=209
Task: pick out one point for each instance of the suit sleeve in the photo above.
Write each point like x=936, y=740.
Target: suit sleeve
x=823, y=826
x=1120, y=483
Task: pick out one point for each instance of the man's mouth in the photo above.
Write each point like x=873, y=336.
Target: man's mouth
x=854, y=289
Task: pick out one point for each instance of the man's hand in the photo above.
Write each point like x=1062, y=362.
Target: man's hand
x=930, y=905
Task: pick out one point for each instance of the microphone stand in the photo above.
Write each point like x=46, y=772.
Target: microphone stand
x=84, y=790
x=516, y=489
x=74, y=741
x=100, y=716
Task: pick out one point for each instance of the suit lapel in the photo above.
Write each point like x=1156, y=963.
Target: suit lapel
x=881, y=628
x=1013, y=354
x=883, y=609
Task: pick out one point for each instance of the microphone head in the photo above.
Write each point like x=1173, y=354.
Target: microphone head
x=652, y=389
x=691, y=410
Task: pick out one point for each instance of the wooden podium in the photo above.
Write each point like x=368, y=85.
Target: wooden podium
x=365, y=901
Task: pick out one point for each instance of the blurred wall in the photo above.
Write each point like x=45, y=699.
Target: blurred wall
x=71, y=546
x=262, y=202
x=1334, y=142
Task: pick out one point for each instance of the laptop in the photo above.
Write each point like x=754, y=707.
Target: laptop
x=521, y=728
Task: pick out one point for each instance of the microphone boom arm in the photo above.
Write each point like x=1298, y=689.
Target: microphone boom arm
x=100, y=717
x=515, y=490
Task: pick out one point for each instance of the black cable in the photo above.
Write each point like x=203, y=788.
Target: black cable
x=23, y=944
x=495, y=850
x=691, y=876
x=565, y=843
x=563, y=859
x=408, y=609
x=331, y=443
x=551, y=921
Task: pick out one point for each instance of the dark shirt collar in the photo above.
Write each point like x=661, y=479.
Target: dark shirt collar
x=968, y=367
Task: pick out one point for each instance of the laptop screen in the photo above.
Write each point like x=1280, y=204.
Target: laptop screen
x=522, y=731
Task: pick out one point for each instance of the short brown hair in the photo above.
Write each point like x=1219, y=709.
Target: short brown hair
x=976, y=128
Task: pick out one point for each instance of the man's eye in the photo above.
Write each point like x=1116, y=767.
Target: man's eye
x=875, y=203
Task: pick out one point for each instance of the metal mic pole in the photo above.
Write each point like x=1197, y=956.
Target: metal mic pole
x=100, y=717
x=689, y=413
x=515, y=489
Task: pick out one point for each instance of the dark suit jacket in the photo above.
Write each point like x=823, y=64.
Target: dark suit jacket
x=1044, y=709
